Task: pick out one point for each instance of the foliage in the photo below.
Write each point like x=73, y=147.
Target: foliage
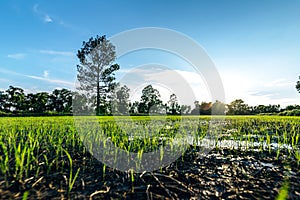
x=96, y=70
x=60, y=100
x=203, y=109
x=185, y=109
x=294, y=112
x=173, y=107
x=298, y=85
x=150, y=101
x=119, y=100
x=283, y=191
x=265, y=109
x=218, y=108
x=14, y=101
x=238, y=107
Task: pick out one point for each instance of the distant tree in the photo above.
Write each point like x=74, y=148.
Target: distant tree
x=37, y=103
x=205, y=108
x=185, y=109
x=120, y=100
x=150, y=101
x=292, y=107
x=196, y=110
x=3, y=101
x=265, y=109
x=134, y=107
x=173, y=107
x=15, y=99
x=81, y=104
x=31, y=101
x=238, y=107
x=218, y=108
x=60, y=101
x=298, y=85
x=96, y=71
x=259, y=109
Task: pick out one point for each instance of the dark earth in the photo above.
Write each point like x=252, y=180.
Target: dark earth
x=222, y=174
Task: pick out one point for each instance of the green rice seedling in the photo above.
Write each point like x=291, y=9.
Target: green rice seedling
x=297, y=156
x=72, y=178
x=25, y=195
x=283, y=191
x=36, y=146
x=268, y=142
x=132, y=175
x=20, y=153
x=4, y=161
x=278, y=145
x=103, y=170
x=161, y=153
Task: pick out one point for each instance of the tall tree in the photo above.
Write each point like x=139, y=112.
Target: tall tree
x=298, y=85
x=96, y=69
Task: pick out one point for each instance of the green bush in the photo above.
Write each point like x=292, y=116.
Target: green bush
x=294, y=112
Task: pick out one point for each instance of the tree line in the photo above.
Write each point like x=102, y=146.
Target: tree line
x=14, y=101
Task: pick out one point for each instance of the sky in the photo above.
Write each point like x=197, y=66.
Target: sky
x=254, y=45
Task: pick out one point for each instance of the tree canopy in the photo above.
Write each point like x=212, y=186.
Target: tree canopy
x=298, y=85
x=96, y=70
x=150, y=100
x=14, y=100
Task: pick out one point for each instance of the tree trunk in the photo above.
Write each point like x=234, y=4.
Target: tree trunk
x=98, y=95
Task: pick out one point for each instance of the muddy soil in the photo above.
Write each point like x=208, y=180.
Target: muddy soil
x=222, y=174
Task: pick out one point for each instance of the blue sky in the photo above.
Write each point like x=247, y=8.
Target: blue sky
x=255, y=44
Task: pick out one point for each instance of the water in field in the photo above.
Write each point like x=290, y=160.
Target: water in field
x=238, y=143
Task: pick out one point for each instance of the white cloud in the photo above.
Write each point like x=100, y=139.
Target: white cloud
x=188, y=86
x=255, y=90
x=47, y=19
x=44, y=16
x=61, y=83
x=60, y=53
x=46, y=74
x=56, y=81
x=281, y=82
x=16, y=56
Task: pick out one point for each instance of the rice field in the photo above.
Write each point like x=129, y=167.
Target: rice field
x=54, y=157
